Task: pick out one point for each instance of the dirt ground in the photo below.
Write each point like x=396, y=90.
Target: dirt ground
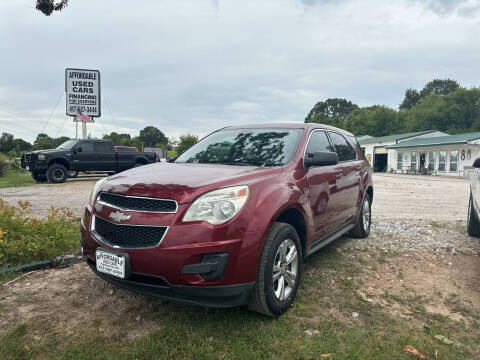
x=417, y=259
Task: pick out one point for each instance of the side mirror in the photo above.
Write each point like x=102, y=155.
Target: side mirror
x=323, y=158
x=476, y=163
x=78, y=149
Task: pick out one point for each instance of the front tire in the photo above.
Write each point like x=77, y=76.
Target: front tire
x=39, y=177
x=364, y=220
x=473, y=225
x=57, y=174
x=279, y=271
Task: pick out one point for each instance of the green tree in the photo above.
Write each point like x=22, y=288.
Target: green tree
x=119, y=139
x=150, y=136
x=47, y=7
x=439, y=87
x=21, y=145
x=331, y=112
x=186, y=141
x=374, y=120
x=412, y=98
x=6, y=142
x=43, y=141
x=456, y=112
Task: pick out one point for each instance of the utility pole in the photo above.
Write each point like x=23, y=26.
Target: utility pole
x=84, y=129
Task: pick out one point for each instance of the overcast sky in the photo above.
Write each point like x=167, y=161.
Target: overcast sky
x=198, y=65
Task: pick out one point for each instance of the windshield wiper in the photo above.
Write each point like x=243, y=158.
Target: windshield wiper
x=241, y=163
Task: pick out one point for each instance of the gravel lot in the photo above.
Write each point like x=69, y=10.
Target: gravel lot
x=72, y=194
x=396, y=197
x=409, y=212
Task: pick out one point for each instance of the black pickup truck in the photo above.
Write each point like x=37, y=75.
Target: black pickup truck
x=88, y=155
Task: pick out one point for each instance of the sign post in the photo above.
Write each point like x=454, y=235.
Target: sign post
x=83, y=101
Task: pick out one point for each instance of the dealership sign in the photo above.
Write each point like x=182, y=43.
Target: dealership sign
x=82, y=89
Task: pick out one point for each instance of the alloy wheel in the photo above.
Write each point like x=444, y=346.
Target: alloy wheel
x=366, y=215
x=285, y=268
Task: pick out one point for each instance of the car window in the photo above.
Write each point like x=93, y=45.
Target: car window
x=103, y=147
x=318, y=142
x=87, y=146
x=125, y=149
x=259, y=147
x=343, y=149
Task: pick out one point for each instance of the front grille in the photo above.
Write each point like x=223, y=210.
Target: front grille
x=128, y=236
x=136, y=203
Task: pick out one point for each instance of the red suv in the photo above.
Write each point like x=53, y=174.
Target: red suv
x=229, y=221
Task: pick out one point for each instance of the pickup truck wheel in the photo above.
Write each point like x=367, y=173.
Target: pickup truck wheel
x=39, y=177
x=279, y=271
x=364, y=220
x=57, y=173
x=473, y=225
x=72, y=174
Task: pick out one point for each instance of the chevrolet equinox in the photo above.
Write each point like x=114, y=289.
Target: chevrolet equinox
x=230, y=221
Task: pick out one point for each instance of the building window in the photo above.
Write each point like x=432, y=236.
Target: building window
x=453, y=160
x=413, y=160
x=431, y=160
x=399, y=161
x=442, y=159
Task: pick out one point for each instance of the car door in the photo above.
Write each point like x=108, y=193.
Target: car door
x=323, y=195
x=347, y=176
x=105, y=156
x=83, y=158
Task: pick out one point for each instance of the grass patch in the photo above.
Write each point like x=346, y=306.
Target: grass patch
x=16, y=178
x=24, y=239
x=326, y=299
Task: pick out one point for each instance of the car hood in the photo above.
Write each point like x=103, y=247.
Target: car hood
x=49, y=151
x=183, y=182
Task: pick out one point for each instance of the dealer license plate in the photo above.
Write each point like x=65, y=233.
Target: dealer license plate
x=27, y=168
x=110, y=263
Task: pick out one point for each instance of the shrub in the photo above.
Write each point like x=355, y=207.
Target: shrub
x=24, y=238
x=3, y=164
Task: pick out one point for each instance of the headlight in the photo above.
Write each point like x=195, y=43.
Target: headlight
x=95, y=189
x=218, y=206
x=41, y=157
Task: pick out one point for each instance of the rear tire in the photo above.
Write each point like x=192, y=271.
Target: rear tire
x=57, y=174
x=473, y=225
x=39, y=177
x=364, y=220
x=279, y=271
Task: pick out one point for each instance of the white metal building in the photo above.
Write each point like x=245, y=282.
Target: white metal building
x=375, y=148
x=445, y=155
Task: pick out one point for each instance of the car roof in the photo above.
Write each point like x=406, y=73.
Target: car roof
x=293, y=125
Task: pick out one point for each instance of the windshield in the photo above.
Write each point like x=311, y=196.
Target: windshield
x=259, y=147
x=67, y=145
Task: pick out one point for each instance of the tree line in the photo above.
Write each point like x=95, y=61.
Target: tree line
x=150, y=136
x=442, y=104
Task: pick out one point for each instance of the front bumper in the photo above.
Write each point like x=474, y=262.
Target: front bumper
x=155, y=286
x=183, y=258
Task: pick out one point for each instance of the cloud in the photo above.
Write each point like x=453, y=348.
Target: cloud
x=193, y=66
x=467, y=8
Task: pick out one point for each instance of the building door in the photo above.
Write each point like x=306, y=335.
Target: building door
x=423, y=157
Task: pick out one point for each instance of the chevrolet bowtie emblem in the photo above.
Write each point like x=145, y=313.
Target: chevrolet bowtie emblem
x=119, y=216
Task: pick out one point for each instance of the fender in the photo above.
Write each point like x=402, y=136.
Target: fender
x=63, y=160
